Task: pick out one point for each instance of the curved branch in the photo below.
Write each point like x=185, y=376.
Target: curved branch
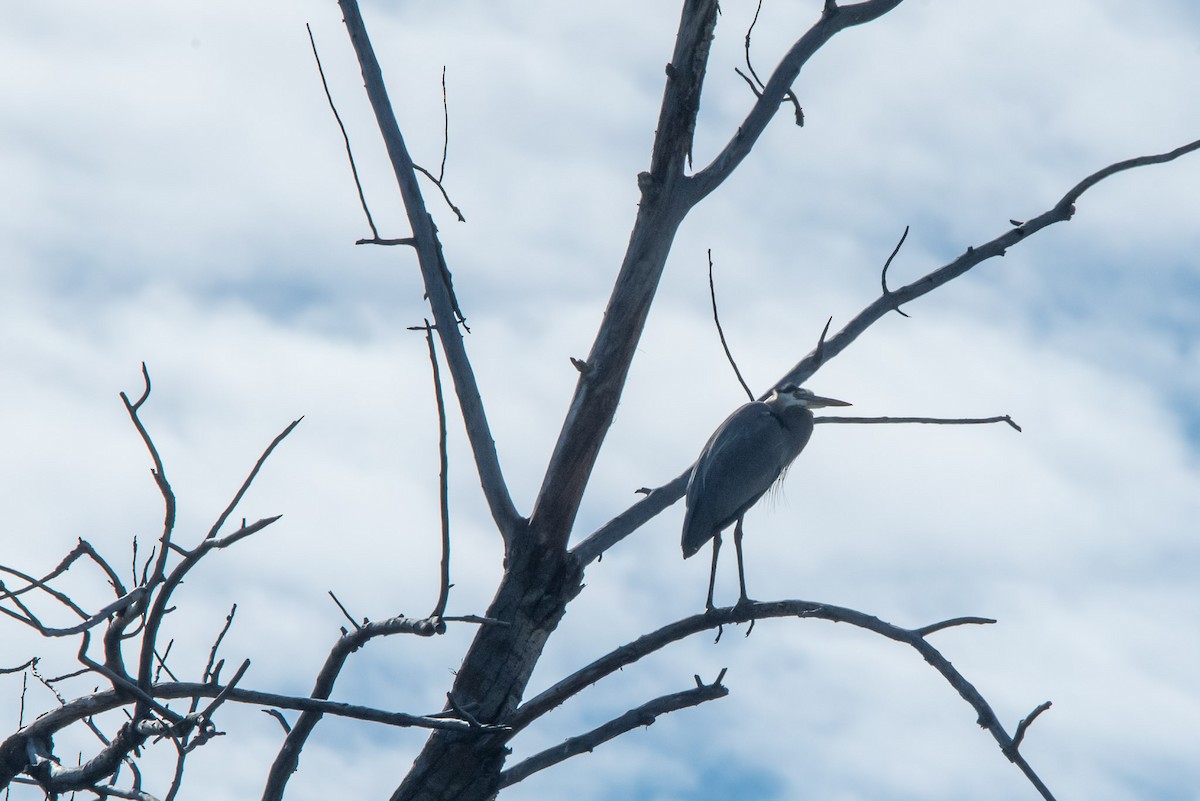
x=754, y=610
x=833, y=20
x=160, y=477
x=712, y=294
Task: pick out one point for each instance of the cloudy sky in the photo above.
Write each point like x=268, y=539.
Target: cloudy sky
x=175, y=191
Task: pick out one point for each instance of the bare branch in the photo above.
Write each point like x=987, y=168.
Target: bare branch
x=1077, y=191
x=345, y=612
x=288, y=758
x=362, y=199
x=643, y=715
x=925, y=631
x=160, y=477
x=439, y=179
x=445, y=127
x=1025, y=723
x=775, y=91
x=443, y=477
x=19, y=668
x=941, y=421
x=408, y=240
x=756, y=85
x=748, y=611
x=429, y=257
x=712, y=293
x=886, y=265
x=209, y=673
x=42, y=584
x=250, y=478
x=820, y=349
x=441, y=188
x=275, y=713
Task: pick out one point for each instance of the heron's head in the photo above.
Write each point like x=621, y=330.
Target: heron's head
x=790, y=395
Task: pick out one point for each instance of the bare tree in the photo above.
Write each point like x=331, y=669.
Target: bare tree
x=121, y=645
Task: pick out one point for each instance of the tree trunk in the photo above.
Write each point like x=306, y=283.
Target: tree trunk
x=532, y=597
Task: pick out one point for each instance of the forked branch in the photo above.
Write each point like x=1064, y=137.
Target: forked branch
x=775, y=91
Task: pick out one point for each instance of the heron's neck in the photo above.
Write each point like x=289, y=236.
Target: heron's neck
x=794, y=417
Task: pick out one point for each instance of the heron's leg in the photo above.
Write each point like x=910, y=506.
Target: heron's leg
x=737, y=544
x=712, y=575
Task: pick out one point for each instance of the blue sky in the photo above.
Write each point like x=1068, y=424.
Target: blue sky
x=176, y=192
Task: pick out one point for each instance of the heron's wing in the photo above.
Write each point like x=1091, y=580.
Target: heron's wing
x=739, y=463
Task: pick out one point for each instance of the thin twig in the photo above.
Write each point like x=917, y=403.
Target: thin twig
x=820, y=349
x=712, y=293
x=888, y=263
x=1025, y=723
x=757, y=85
x=941, y=421
x=158, y=473
x=19, y=668
x=209, y=674
x=345, y=612
x=250, y=478
x=275, y=713
x=362, y=199
x=440, y=178
x=407, y=240
x=445, y=126
x=441, y=188
x=778, y=88
x=443, y=478
x=483, y=447
x=925, y=631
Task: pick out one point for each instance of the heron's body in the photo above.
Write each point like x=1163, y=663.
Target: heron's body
x=741, y=460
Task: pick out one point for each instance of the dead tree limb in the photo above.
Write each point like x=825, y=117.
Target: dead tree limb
x=916, y=638
x=428, y=255
x=643, y=715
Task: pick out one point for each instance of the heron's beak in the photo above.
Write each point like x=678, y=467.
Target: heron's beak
x=816, y=402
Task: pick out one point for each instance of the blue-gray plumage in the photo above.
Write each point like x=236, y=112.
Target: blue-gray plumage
x=748, y=453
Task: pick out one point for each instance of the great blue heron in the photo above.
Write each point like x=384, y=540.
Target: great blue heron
x=748, y=453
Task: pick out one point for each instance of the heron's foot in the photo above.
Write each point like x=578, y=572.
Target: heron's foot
x=744, y=601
